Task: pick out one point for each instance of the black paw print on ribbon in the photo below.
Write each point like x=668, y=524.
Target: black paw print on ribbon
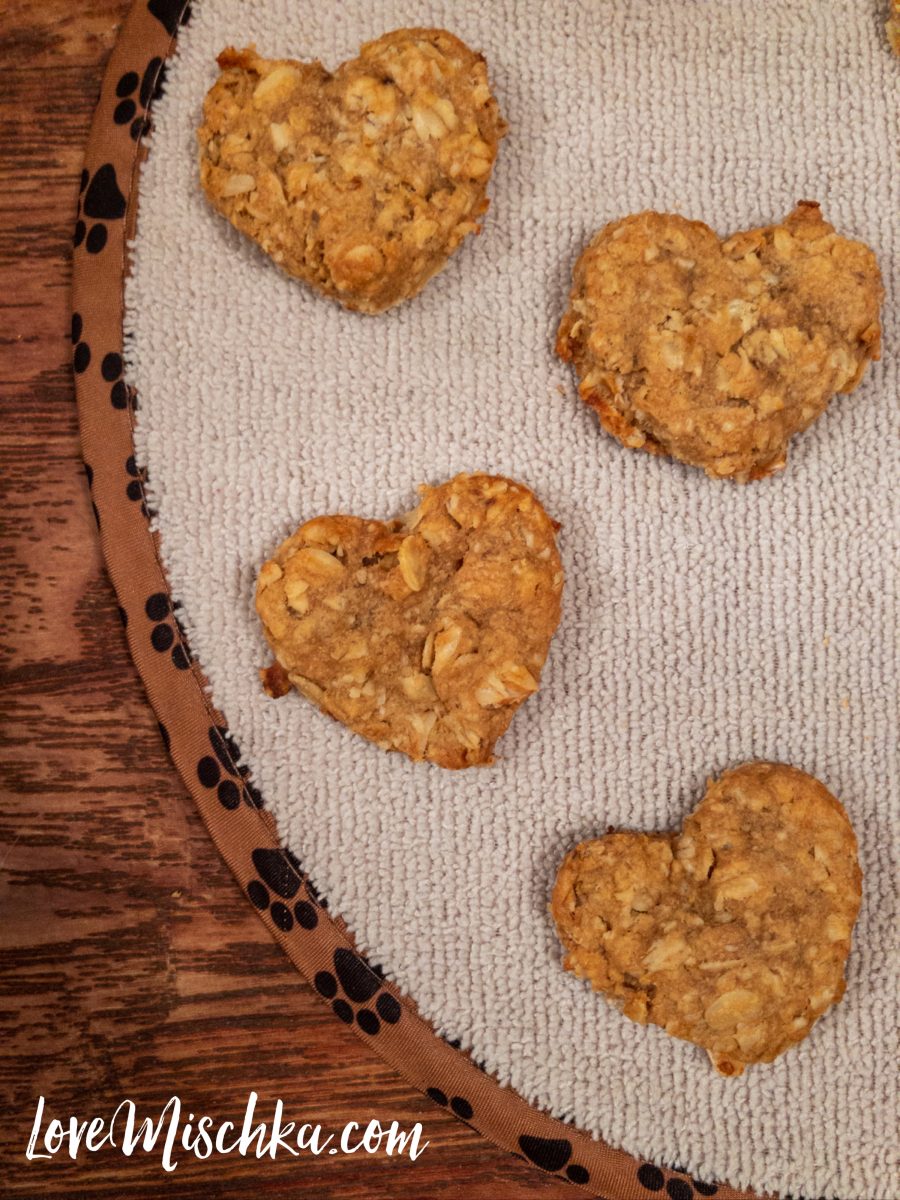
x=361, y=984
x=81, y=354
x=280, y=872
x=456, y=1104
x=552, y=1155
x=111, y=367
x=134, y=488
x=163, y=637
x=100, y=201
x=170, y=13
x=120, y=393
x=654, y=1181
x=219, y=770
x=135, y=92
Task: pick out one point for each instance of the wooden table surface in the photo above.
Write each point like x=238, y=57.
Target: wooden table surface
x=121, y=977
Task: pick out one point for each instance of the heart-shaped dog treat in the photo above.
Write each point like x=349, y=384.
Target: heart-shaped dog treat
x=717, y=353
x=732, y=934
x=425, y=633
x=362, y=182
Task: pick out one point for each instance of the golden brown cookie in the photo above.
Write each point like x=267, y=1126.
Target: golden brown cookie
x=362, y=182
x=732, y=934
x=425, y=633
x=893, y=26
x=717, y=353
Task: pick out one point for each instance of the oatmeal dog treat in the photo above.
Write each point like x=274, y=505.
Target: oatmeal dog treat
x=425, y=633
x=732, y=934
x=717, y=353
x=364, y=182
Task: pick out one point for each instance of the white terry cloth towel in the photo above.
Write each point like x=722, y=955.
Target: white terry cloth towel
x=704, y=623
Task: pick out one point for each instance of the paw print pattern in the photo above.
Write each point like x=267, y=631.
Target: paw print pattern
x=282, y=875
x=81, y=355
x=220, y=771
x=457, y=1104
x=227, y=752
x=134, y=488
x=120, y=393
x=135, y=92
x=170, y=13
x=100, y=201
x=552, y=1155
x=163, y=637
x=111, y=366
x=361, y=985
x=653, y=1180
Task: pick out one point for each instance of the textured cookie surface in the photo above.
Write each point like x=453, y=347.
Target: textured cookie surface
x=893, y=26
x=733, y=933
x=425, y=633
x=717, y=353
x=363, y=182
